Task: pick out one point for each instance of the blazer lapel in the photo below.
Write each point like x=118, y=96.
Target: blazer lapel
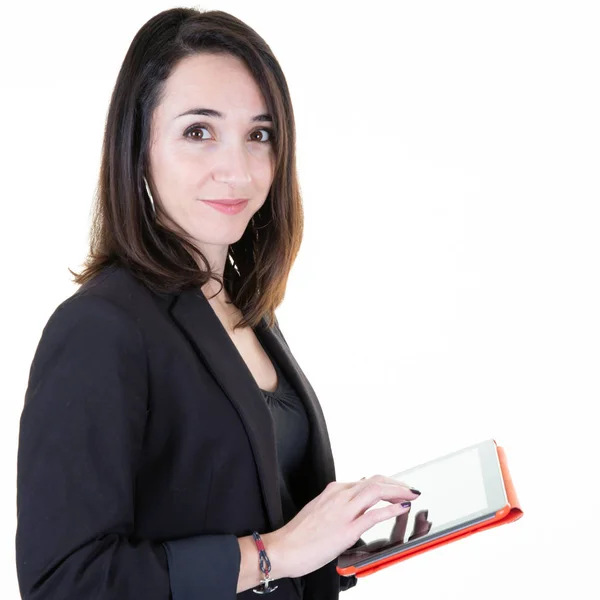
x=193, y=313
x=197, y=319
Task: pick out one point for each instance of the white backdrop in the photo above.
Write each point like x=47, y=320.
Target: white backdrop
x=447, y=289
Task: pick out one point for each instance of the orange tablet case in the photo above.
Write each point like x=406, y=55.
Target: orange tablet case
x=511, y=512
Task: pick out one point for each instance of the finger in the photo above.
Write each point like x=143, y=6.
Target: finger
x=386, y=486
x=336, y=486
x=341, y=485
x=391, y=480
x=399, y=529
x=376, y=515
x=410, y=487
x=395, y=481
x=368, y=493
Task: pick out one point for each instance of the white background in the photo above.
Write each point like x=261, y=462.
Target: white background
x=447, y=289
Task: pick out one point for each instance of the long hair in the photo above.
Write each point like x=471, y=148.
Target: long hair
x=124, y=227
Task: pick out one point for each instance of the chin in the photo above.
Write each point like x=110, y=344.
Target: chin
x=224, y=239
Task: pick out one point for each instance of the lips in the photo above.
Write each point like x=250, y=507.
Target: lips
x=227, y=201
x=228, y=207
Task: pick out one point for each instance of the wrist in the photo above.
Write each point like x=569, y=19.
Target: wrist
x=274, y=547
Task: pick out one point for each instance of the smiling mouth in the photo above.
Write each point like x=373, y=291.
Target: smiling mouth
x=227, y=201
x=231, y=208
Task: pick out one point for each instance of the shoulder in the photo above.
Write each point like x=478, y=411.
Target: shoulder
x=116, y=290
x=90, y=337
x=115, y=284
x=103, y=308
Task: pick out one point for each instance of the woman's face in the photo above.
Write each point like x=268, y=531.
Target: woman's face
x=194, y=157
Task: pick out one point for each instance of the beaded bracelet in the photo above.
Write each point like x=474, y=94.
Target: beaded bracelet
x=265, y=567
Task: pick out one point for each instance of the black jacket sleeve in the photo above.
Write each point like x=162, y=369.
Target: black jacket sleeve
x=80, y=438
x=347, y=582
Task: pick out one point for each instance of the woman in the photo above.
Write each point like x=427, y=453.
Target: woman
x=165, y=419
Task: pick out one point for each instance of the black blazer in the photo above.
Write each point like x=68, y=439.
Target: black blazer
x=146, y=449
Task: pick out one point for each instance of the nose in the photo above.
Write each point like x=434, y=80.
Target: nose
x=232, y=166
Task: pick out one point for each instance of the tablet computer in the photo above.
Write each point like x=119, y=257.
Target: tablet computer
x=461, y=493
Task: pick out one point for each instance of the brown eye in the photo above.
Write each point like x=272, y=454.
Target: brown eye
x=270, y=135
x=199, y=138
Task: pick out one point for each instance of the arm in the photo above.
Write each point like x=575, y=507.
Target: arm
x=80, y=439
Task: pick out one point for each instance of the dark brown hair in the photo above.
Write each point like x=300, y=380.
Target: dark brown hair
x=124, y=228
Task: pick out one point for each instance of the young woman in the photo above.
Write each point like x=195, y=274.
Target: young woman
x=168, y=435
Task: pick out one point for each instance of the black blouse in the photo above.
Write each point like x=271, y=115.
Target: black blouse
x=291, y=437
x=291, y=434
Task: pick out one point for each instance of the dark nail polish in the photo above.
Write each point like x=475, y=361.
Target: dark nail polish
x=415, y=491
x=405, y=505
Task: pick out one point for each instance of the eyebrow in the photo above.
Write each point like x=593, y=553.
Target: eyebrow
x=209, y=112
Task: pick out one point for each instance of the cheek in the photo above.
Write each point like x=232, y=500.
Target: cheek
x=186, y=175
x=182, y=160
x=264, y=172
x=264, y=179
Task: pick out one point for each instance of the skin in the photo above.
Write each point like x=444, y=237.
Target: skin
x=198, y=157
x=233, y=158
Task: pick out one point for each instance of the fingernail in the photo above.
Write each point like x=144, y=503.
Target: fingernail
x=415, y=491
x=405, y=505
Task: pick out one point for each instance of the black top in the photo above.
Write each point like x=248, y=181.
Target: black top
x=291, y=434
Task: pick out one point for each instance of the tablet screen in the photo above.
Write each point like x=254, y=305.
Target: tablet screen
x=453, y=492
